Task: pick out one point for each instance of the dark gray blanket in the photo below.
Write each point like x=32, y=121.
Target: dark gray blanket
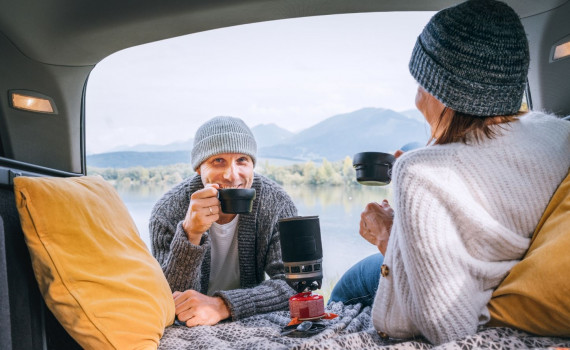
x=352, y=329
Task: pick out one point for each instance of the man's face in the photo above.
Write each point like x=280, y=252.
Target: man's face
x=229, y=170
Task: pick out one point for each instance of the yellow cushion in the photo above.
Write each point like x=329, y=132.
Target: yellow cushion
x=94, y=271
x=535, y=295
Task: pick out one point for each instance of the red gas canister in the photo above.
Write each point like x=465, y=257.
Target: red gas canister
x=307, y=306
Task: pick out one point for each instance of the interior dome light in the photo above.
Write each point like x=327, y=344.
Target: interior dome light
x=32, y=101
x=561, y=51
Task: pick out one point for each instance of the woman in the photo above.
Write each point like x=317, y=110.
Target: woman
x=465, y=207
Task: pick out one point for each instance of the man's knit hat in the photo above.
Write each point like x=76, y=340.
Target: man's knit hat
x=222, y=135
x=474, y=58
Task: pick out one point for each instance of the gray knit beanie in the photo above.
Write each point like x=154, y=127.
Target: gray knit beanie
x=474, y=58
x=222, y=135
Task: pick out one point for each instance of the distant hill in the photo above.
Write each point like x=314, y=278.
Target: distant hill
x=171, y=147
x=368, y=129
x=270, y=134
x=133, y=159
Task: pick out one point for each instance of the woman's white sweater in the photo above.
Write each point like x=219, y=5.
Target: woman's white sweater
x=464, y=216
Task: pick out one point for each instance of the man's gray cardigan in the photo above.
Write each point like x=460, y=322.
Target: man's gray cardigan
x=187, y=266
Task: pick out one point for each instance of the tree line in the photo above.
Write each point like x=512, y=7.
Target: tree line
x=338, y=173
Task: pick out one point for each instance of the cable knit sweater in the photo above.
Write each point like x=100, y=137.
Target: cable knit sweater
x=464, y=216
x=187, y=266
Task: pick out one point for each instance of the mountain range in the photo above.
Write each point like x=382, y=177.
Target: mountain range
x=367, y=129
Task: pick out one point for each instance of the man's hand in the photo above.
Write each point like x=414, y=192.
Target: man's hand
x=376, y=223
x=203, y=210
x=197, y=309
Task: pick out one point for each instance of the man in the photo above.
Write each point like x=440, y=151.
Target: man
x=215, y=262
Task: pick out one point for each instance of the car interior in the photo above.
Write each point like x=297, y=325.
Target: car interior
x=48, y=49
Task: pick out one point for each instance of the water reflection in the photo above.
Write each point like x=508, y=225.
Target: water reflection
x=338, y=209
x=347, y=197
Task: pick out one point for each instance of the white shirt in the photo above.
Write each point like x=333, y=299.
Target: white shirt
x=224, y=265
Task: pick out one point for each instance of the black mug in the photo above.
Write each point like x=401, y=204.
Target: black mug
x=373, y=168
x=236, y=200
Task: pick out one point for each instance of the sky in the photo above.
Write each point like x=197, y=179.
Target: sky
x=294, y=73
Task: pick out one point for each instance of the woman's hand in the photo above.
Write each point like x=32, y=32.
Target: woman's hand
x=398, y=153
x=376, y=223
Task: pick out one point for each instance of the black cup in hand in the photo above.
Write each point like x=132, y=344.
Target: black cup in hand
x=236, y=200
x=373, y=168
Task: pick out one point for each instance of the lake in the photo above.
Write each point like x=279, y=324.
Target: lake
x=338, y=209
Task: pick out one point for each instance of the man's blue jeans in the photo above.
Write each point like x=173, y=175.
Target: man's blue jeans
x=360, y=282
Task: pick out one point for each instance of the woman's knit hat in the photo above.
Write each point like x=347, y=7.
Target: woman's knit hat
x=474, y=58
x=222, y=135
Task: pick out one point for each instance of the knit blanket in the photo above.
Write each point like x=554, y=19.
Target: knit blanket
x=352, y=329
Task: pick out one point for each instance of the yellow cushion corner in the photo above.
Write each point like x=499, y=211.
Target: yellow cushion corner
x=535, y=295
x=94, y=271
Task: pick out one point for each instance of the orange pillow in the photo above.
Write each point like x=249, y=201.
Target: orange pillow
x=535, y=295
x=94, y=271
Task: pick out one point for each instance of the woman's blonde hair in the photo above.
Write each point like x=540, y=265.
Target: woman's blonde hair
x=455, y=126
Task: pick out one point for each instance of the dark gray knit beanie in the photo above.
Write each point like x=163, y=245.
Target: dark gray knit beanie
x=474, y=58
x=222, y=135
